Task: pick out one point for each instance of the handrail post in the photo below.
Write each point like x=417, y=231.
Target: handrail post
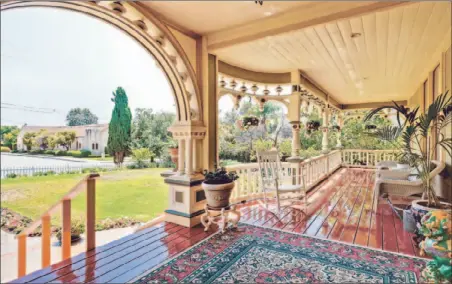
x=91, y=214
x=45, y=241
x=66, y=229
x=22, y=255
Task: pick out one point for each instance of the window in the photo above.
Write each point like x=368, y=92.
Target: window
x=92, y=146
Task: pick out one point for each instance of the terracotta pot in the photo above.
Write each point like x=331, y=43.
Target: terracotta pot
x=174, y=153
x=218, y=195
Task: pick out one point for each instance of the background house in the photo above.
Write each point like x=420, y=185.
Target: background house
x=91, y=137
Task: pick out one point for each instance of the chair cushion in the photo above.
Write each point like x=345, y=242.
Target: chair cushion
x=285, y=187
x=395, y=174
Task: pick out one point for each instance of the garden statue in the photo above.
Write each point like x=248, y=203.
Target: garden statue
x=437, y=229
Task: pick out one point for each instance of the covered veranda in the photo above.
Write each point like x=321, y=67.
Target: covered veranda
x=340, y=59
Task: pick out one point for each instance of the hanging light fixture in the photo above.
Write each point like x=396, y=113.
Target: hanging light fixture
x=259, y=2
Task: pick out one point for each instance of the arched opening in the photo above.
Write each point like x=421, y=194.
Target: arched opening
x=121, y=202
x=153, y=36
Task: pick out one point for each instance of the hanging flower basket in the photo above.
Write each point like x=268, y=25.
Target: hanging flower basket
x=336, y=128
x=249, y=121
x=371, y=127
x=312, y=125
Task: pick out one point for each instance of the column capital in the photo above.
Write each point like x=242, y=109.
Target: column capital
x=190, y=129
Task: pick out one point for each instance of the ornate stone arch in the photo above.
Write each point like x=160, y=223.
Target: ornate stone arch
x=152, y=35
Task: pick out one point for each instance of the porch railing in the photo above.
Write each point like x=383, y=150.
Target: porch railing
x=366, y=158
x=314, y=169
x=88, y=183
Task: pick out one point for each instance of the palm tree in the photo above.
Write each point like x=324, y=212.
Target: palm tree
x=412, y=135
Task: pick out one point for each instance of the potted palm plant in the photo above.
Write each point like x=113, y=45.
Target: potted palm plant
x=218, y=186
x=419, y=136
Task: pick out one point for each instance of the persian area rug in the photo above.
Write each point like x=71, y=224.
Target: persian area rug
x=261, y=255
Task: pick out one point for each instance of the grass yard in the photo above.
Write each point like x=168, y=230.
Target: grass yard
x=139, y=194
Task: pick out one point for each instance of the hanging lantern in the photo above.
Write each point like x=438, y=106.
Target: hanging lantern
x=233, y=84
x=243, y=88
x=249, y=121
x=261, y=104
x=237, y=102
x=254, y=88
x=222, y=83
x=266, y=91
x=279, y=89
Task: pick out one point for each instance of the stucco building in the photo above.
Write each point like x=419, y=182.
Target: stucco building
x=92, y=137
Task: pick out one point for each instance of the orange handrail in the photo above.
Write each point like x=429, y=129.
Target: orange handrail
x=65, y=204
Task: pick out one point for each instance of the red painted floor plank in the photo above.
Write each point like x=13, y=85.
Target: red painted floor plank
x=346, y=209
x=389, y=233
x=403, y=238
x=363, y=230
x=349, y=232
x=328, y=224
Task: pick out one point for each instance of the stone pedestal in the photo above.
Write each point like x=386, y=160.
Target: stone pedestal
x=186, y=200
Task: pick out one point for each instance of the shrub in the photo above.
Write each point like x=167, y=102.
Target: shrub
x=60, y=153
x=73, y=153
x=12, y=175
x=77, y=228
x=5, y=149
x=85, y=153
x=14, y=151
x=36, y=152
x=49, y=152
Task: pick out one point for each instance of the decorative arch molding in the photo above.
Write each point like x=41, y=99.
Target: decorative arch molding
x=152, y=35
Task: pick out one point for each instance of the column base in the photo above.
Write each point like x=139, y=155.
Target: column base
x=295, y=159
x=326, y=151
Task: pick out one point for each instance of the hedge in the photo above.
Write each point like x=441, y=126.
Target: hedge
x=5, y=149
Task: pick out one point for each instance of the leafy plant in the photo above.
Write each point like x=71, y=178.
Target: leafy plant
x=85, y=153
x=141, y=157
x=77, y=228
x=219, y=176
x=415, y=132
x=60, y=153
x=5, y=149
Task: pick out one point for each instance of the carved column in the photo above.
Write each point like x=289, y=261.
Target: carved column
x=181, y=156
x=188, y=156
x=295, y=138
x=325, y=114
x=339, y=133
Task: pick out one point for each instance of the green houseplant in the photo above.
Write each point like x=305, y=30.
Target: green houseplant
x=218, y=186
x=77, y=229
x=419, y=136
x=173, y=150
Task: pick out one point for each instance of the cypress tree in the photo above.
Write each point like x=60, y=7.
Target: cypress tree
x=119, y=129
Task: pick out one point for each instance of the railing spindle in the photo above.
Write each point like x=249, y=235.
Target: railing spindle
x=45, y=241
x=91, y=214
x=66, y=229
x=22, y=255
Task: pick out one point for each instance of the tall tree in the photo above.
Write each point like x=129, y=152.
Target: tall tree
x=80, y=116
x=150, y=130
x=9, y=135
x=119, y=130
x=65, y=138
x=28, y=139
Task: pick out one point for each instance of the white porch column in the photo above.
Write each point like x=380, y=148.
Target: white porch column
x=181, y=156
x=188, y=156
x=338, y=137
x=325, y=114
x=197, y=149
x=295, y=138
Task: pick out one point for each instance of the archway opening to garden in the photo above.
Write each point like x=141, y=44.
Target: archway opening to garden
x=59, y=70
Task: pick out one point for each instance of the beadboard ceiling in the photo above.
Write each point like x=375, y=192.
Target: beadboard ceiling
x=207, y=16
x=381, y=64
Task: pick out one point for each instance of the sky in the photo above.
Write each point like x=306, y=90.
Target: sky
x=57, y=59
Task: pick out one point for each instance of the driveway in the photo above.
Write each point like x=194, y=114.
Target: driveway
x=12, y=160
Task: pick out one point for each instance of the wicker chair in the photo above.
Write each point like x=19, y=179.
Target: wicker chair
x=402, y=187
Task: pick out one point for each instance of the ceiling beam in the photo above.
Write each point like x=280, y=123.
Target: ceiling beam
x=257, y=77
x=309, y=15
x=372, y=105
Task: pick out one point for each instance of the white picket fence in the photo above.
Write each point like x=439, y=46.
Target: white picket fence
x=58, y=169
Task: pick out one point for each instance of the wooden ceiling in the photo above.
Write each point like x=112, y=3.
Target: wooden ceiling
x=203, y=17
x=375, y=57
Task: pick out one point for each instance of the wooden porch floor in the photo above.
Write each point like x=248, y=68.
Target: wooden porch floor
x=340, y=208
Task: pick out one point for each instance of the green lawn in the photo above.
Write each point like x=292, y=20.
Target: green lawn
x=139, y=194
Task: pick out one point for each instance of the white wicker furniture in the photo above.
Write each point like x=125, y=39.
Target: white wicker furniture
x=272, y=176
x=402, y=187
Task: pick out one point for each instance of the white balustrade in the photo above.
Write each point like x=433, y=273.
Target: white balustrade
x=314, y=169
